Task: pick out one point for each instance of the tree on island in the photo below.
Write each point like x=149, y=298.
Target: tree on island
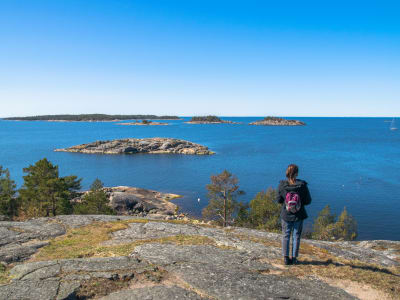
x=44, y=193
x=222, y=192
x=94, y=202
x=206, y=119
x=8, y=202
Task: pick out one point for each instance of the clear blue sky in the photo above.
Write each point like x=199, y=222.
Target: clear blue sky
x=232, y=58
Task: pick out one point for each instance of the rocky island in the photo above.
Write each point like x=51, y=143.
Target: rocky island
x=125, y=200
x=90, y=118
x=143, y=123
x=209, y=120
x=275, y=121
x=125, y=257
x=146, y=145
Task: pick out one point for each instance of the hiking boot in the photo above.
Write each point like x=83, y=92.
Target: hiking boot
x=287, y=260
x=295, y=261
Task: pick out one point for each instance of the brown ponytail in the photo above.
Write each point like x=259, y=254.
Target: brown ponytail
x=291, y=173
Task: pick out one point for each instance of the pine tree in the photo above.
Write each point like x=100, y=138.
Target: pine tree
x=346, y=227
x=222, y=192
x=326, y=227
x=44, y=193
x=94, y=202
x=323, y=225
x=8, y=202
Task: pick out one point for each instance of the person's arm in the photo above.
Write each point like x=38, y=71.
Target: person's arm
x=279, y=198
x=307, y=195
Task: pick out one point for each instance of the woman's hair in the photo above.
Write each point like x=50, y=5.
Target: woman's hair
x=291, y=173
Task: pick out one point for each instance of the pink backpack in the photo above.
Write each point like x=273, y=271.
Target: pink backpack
x=292, y=202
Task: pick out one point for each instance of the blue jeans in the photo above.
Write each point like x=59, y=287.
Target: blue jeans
x=295, y=229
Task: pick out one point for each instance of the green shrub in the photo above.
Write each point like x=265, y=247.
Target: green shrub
x=261, y=213
x=326, y=227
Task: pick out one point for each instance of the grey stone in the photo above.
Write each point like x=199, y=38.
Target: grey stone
x=100, y=264
x=68, y=290
x=225, y=283
x=154, y=293
x=19, y=272
x=29, y=290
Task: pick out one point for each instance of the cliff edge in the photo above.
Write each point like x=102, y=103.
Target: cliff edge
x=125, y=257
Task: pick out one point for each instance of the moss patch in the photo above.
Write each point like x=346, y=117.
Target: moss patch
x=79, y=242
x=264, y=241
x=4, y=278
x=88, y=241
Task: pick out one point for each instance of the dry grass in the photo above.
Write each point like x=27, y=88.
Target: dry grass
x=264, y=241
x=320, y=262
x=88, y=241
x=4, y=278
x=98, y=287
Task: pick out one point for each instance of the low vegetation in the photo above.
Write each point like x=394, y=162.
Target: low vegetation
x=263, y=212
x=274, y=119
x=91, y=117
x=326, y=227
x=87, y=241
x=4, y=278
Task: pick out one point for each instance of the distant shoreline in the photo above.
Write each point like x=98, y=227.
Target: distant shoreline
x=91, y=118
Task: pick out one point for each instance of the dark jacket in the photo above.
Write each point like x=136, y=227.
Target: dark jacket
x=299, y=187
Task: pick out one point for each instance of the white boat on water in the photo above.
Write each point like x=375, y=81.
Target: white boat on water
x=393, y=125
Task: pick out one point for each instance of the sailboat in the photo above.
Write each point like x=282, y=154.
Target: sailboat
x=393, y=125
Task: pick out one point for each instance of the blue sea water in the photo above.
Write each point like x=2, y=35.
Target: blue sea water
x=352, y=162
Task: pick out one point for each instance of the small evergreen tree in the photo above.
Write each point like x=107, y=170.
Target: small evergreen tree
x=94, y=202
x=222, y=192
x=8, y=202
x=323, y=224
x=44, y=193
x=326, y=227
x=265, y=212
x=262, y=212
x=346, y=227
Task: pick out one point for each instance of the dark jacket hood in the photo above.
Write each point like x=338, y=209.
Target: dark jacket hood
x=299, y=184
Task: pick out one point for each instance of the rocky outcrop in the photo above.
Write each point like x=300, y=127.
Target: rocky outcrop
x=127, y=200
x=212, y=122
x=189, y=261
x=209, y=120
x=134, y=146
x=143, y=124
x=274, y=121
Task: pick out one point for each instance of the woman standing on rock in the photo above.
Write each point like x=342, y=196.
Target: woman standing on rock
x=293, y=193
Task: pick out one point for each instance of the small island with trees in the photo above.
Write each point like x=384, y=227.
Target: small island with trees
x=144, y=123
x=209, y=120
x=91, y=118
x=276, y=121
